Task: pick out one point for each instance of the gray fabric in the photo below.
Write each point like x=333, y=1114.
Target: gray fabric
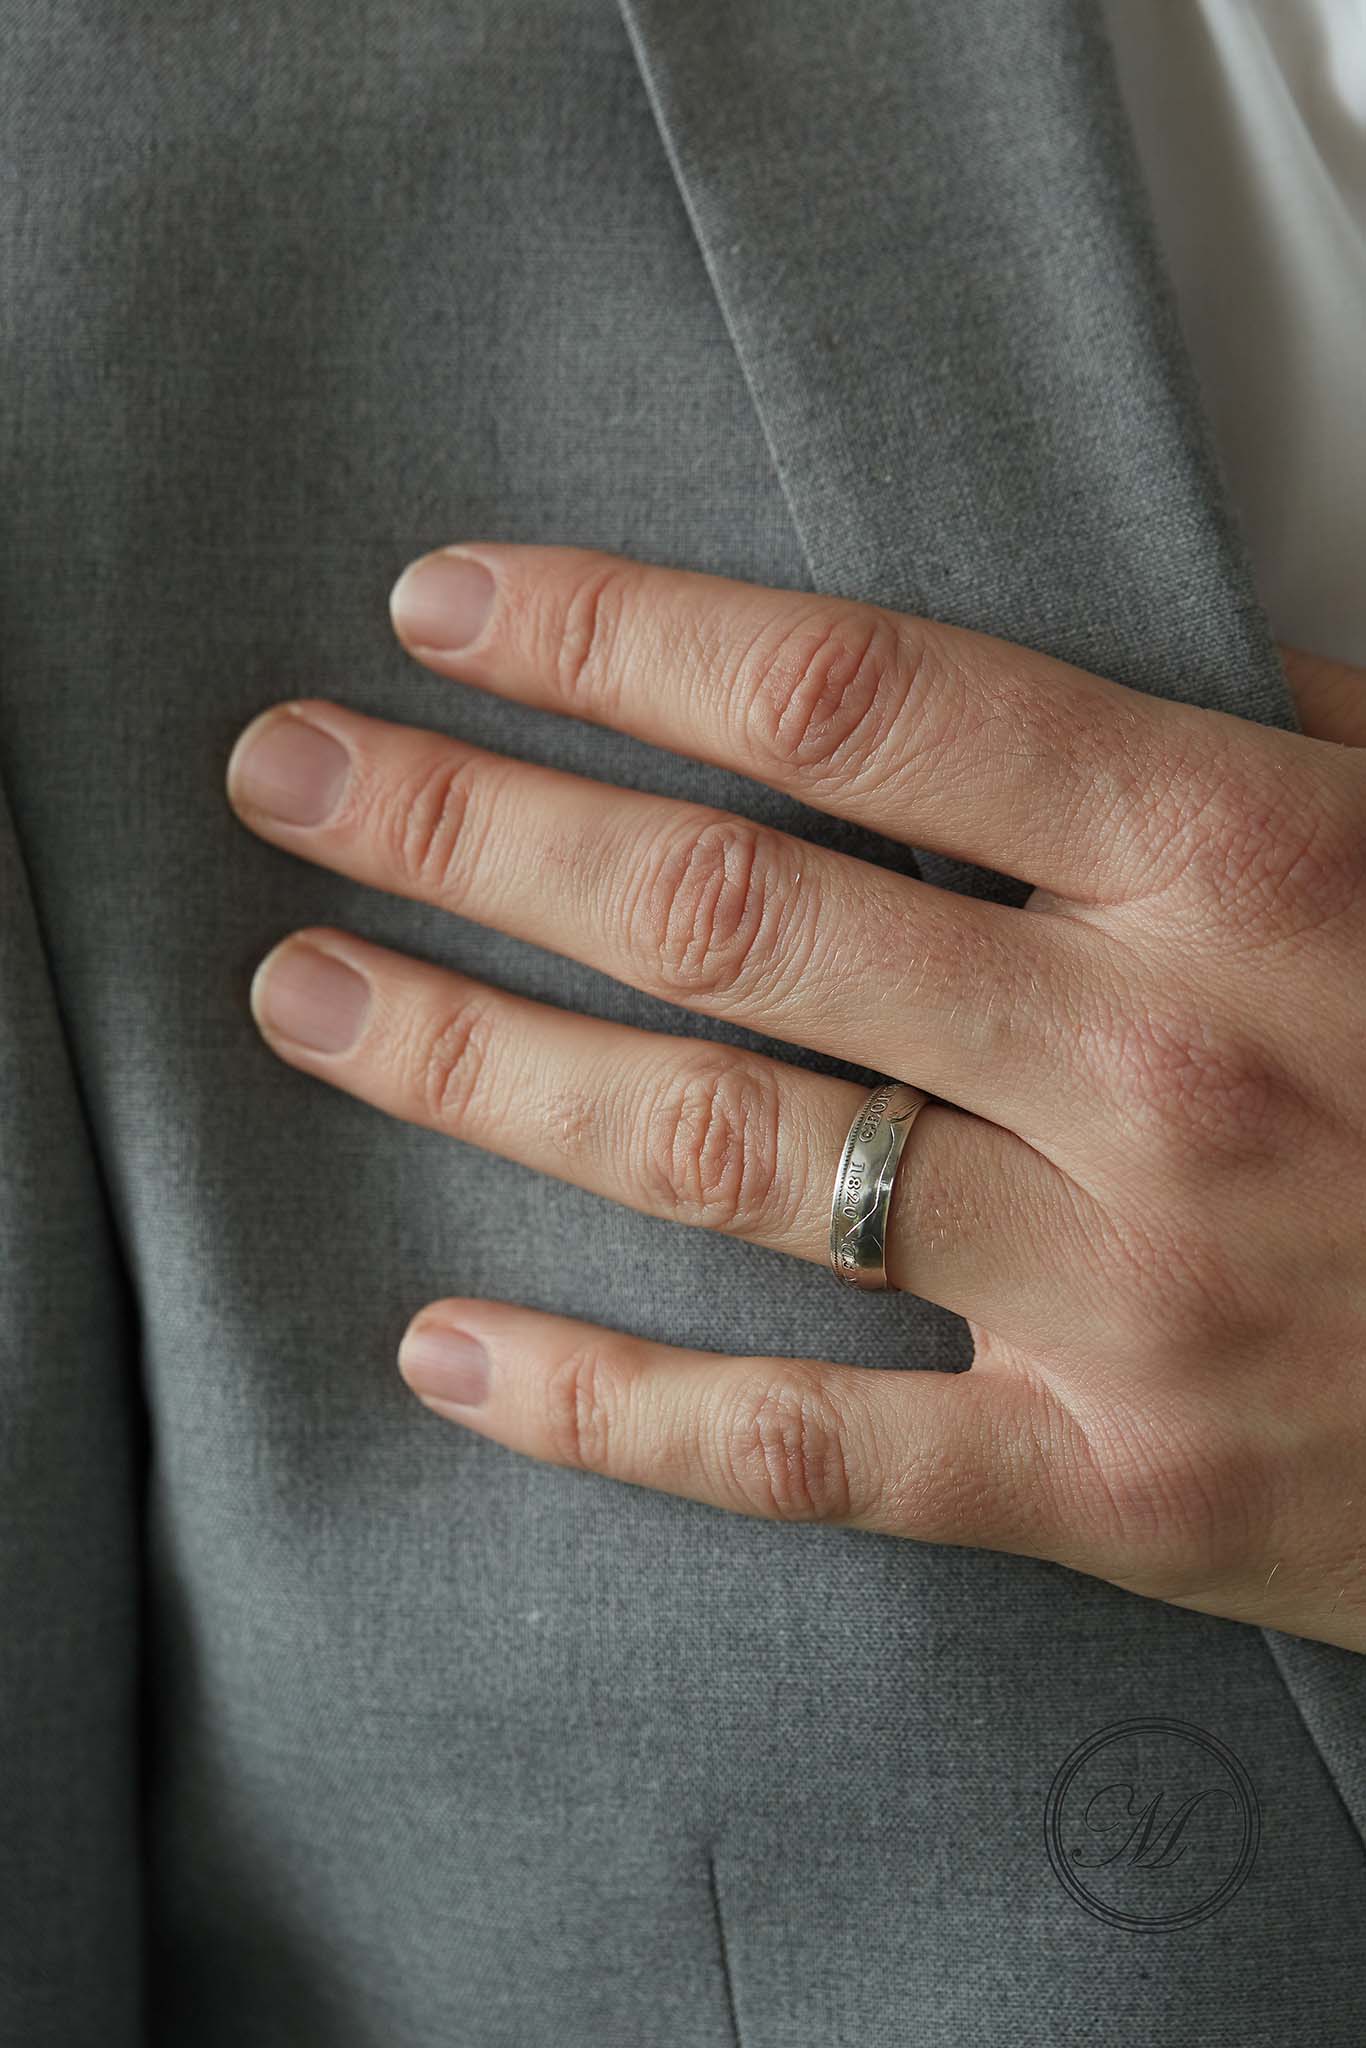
x=442, y=1746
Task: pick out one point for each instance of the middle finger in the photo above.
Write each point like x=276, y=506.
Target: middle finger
x=698, y=906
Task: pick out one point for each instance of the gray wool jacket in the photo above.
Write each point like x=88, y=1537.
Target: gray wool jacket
x=323, y=1722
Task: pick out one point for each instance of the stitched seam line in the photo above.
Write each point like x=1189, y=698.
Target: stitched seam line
x=723, y=1951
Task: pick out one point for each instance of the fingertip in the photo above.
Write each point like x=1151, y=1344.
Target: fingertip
x=442, y=602
x=445, y=1363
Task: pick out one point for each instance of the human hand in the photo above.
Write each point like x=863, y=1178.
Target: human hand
x=1144, y=1182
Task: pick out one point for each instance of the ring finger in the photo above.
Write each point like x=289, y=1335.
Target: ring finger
x=686, y=1129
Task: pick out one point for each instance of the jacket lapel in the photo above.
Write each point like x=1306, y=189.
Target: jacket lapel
x=929, y=236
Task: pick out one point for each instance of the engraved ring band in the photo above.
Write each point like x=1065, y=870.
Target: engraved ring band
x=863, y=1188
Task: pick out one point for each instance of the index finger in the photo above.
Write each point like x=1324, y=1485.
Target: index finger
x=930, y=734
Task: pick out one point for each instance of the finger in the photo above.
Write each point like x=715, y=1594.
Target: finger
x=982, y=1458
x=1330, y=696
x=700, y=907
x=931, y=734
x=684, y=1129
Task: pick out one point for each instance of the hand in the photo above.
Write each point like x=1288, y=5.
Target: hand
x=1143, y=1182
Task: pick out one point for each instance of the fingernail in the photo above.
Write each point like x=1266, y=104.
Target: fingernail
x=442, y=602
x=309, y=997
x=289, y=769
x=441, y=1364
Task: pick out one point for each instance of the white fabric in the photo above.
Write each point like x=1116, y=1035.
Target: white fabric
x=1250, y=117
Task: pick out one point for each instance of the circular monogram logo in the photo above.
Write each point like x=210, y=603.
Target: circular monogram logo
x=1152, y=1824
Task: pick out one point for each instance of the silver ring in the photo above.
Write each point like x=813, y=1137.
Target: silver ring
x=863, y=1189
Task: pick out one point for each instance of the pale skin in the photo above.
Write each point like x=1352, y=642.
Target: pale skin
x=1143, y=1182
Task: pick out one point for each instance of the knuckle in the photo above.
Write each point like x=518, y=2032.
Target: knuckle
x=820, y=695
x=783, y=1451
x=711, y=1146
x=586, y=655
x=713, y=908
x=1185, y=1293
x=580, y=1410
x=452, y=1063
x=1194, y=1095
x=1270, y=852
x=428, y=826
x=1267, y=863
x=1313, y=871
